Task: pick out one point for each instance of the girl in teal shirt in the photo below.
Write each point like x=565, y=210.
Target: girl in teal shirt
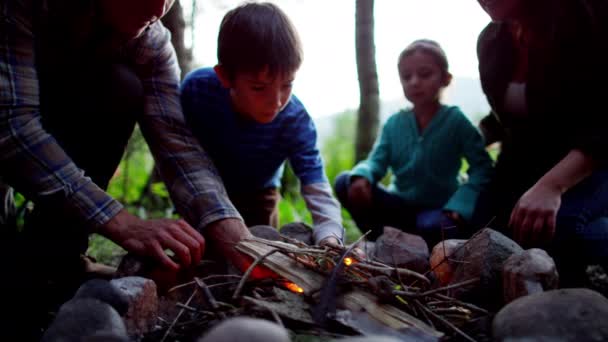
x=423, y=148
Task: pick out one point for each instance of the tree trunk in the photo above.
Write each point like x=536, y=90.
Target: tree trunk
x=369, y=106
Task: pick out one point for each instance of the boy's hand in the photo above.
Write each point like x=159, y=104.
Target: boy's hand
x=360, y=193
x=152, y=237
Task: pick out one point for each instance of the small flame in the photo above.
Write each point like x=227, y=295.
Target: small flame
x=348, y=261
x=294, y=287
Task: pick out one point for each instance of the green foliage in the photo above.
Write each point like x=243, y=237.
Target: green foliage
x=130, y=185
x=338, y=156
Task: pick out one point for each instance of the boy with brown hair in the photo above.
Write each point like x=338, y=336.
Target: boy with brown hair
x=246, y=118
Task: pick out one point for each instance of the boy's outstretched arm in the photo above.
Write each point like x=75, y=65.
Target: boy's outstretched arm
x=325, y=211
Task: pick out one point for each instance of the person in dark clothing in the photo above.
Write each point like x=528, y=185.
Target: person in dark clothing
x=75, y=78
x=543, y=69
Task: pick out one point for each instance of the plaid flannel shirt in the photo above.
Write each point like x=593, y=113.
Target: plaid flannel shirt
x=32, y=161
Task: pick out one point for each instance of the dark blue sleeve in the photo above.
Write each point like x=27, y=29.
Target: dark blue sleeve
x=304, y=154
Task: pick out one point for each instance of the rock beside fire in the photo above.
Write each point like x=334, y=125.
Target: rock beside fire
x=265, y=232
x=400, y=249
x=92, y=314
x=444, y=259
x=299, y=231
x=529, y=272
x=143, y=304
x=556, y=315
x=246, y=329
x=482, y=257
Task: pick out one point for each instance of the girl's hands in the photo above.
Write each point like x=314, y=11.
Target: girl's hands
x=360, y=193
x=533, y=217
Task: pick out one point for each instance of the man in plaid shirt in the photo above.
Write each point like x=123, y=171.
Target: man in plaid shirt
x=75, y=78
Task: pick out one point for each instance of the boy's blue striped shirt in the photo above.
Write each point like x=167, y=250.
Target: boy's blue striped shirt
x=250, y=155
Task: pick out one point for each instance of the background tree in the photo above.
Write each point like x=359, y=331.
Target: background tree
x=369, y=105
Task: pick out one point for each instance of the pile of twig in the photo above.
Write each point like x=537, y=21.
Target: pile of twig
x=402, y=288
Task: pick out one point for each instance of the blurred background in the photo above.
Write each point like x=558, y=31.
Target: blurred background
x=342, y=40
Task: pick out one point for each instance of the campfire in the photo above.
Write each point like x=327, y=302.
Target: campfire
x=329, y=291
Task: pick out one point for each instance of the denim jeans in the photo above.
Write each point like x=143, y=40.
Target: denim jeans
x=581, y=236
x=388, y=209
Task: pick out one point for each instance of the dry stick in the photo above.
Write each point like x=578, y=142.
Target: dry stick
x=426, y=317
x=463, y=304
x=449, y=287
x=237, y=293
x=206, y=278
x=209, y=297
x=276, y=317
x=402, y=271
x=439, y=289
x=448, y=324
x=179, y=314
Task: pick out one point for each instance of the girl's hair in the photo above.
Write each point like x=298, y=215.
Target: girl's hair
x=430, y=47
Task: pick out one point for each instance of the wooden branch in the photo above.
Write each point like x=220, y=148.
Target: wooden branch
x=259, y=259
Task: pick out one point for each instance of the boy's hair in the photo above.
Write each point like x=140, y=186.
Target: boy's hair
x=258, y=35
x=428, y=46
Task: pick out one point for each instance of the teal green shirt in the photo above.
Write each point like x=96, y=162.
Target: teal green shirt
x=425, y=165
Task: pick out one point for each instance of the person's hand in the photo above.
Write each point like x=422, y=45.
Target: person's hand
x=360, y=193
x=224, y=235
x=152, y=237
x=533, y=217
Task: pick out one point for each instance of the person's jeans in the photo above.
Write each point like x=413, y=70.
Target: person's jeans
x=581, y=236
x=388, y=209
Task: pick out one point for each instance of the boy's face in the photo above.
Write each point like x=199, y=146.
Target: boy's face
x=258, y=96
x=422, y=78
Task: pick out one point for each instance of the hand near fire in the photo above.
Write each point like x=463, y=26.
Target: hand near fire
x=224, y=235
x=533, y=218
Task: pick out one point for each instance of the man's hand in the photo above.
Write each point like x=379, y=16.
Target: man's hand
x=224, y=235
x=360, y=193
x=152, y=237
x=533, y=217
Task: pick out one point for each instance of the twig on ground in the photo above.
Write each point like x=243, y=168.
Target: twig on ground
x=179, y=314
x=239, y=288
x=209, y=297
x=448, y=324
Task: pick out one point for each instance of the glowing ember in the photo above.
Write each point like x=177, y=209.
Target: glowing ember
x=294, y=288
x=348, y=261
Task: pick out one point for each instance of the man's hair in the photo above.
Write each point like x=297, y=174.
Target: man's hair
x=430, y=47
x=258, y=35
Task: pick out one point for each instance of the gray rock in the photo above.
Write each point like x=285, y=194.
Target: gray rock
x=265, y=232
x=397, y=248
x=89, y=314
x=482, y=257
x=556, y=315
x=299, y=231
x=246, y=329
x=529, y=272
x=143, y=304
